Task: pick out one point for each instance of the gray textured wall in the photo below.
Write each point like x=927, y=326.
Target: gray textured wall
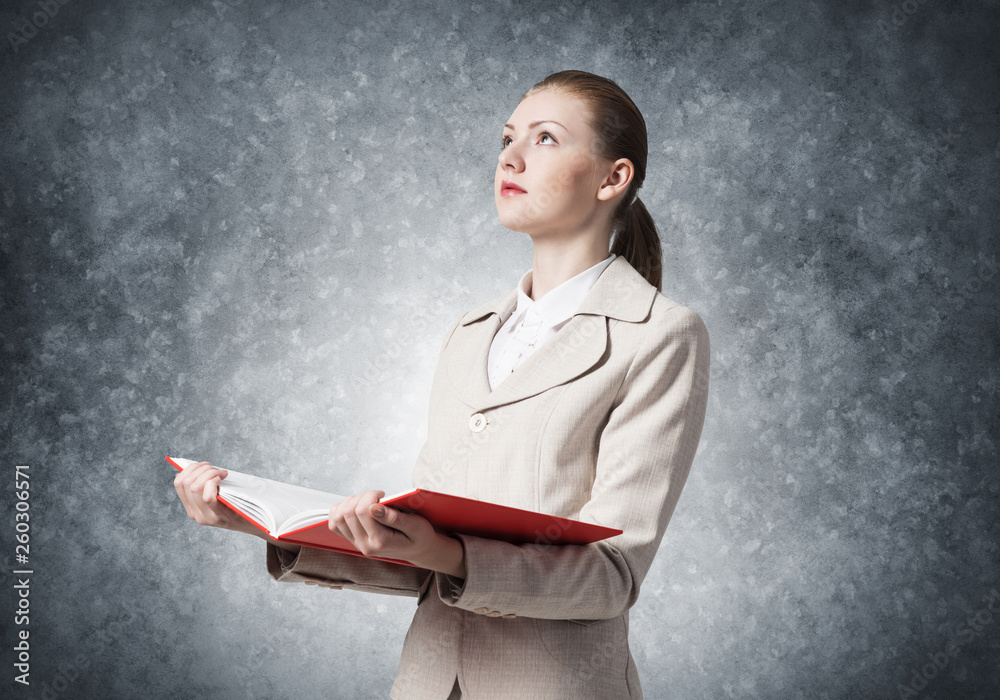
x=237, y=231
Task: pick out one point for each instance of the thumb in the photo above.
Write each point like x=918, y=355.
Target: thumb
x=388, y=516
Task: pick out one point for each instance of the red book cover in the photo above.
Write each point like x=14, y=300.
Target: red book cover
x=448, y=514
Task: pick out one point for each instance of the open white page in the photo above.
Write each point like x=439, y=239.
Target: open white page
x=289, y=507
x=277, y=506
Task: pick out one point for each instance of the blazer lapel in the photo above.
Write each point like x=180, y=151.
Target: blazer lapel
x=468, y=350
x=620, y=293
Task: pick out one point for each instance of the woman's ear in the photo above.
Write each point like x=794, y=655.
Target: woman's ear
x=617, y=181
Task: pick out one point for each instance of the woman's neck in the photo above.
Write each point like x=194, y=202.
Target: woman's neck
x=554, y=265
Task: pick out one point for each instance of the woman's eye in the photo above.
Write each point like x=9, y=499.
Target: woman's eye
x=544, y=135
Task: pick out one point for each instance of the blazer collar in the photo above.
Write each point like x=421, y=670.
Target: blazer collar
x=620, y=293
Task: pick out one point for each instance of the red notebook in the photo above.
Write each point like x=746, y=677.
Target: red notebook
x=299, y=515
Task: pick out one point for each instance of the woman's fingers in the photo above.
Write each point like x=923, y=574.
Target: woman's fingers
x=352, y=520
x=183, y=477
x=372, y=528
x=355, y=532
x=197, y=486
x=182, y=484
x=199, y=479
x=202, y=477
x=208, y=483
x=211, y=489
x=186, y=480
x=337, y=522
x=366, y=532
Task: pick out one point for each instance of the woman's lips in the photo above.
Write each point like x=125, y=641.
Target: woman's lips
x=509, y=189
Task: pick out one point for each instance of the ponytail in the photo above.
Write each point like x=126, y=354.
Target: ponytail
x=637, y=241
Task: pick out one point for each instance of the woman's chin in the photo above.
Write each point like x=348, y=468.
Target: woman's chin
x=516, y=219
x=514, y=223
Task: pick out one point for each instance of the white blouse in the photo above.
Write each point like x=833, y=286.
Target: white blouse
x=536, y=320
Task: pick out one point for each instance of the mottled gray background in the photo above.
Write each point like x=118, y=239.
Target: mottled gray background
x=238, y=231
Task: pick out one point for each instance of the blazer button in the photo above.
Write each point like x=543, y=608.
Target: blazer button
x=509, y=615
x=493, y=613
x=481, y=611
x=311, y=583
x=477, y=423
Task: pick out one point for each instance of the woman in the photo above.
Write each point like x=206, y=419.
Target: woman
x=580, y=393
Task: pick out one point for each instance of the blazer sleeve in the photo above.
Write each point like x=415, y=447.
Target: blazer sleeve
x=644, y=455
x=328, y=569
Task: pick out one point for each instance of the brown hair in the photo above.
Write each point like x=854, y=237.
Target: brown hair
x=620, y=133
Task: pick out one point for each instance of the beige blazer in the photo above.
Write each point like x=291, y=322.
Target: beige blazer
x=601, y=424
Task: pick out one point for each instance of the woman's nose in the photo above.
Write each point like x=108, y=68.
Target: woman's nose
x=510, y=158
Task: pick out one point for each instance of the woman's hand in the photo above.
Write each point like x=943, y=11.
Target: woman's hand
x=395, y=534
x=197, y=486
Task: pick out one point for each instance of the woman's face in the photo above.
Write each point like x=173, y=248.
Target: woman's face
x=547, y=151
